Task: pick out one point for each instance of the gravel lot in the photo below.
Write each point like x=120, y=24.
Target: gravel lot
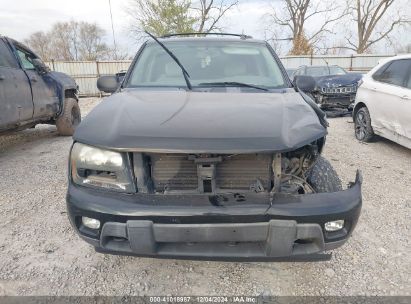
x=41, y=255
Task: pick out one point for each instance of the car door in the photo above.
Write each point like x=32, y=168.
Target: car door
x=16, y=103
x=405, y=113
x=391, y=107
x=45, y=99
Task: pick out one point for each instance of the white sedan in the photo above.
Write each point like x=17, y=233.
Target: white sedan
x=383, y=102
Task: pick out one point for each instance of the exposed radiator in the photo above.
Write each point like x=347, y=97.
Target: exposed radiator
x=173, y=172
x=225, y=172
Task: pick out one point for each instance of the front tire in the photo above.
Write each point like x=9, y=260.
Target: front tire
x=363, y=128
x=323, y=178
x=70, y=118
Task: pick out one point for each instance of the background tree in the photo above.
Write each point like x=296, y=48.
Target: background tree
x=40, y=42
x=211, y=12
x=161, y=17
x=91, y=45
x=63, y=40
x=368, y=15
x=71, y=41
x=295, y=16
x=301, y=45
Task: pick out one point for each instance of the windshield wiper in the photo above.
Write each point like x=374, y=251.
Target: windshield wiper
x=185, y=73
x=233, y=83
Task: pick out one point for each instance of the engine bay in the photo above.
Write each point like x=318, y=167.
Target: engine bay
x=167, y=173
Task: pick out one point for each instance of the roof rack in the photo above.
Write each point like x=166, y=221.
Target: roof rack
x=242, y=36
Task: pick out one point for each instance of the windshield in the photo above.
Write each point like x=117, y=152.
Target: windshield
x=323, y=71
x=207, y=62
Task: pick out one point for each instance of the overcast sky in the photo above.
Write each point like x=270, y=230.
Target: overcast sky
x=20, y=18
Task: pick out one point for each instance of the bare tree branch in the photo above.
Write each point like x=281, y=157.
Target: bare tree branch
x=211, y=13
x=296, y=14
x=368, y=14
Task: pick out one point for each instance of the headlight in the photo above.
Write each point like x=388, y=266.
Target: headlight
x=96, y=167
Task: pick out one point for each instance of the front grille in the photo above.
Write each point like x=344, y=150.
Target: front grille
x=340, y=90
x=182, y=172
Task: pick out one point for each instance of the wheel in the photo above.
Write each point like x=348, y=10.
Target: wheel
x=322, y=177
x=363, y=128
x=70, y=118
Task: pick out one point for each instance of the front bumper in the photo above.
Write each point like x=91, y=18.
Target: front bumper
x=195, y=227
x=336, y=101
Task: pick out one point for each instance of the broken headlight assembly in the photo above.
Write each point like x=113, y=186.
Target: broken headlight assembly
x=98, y=168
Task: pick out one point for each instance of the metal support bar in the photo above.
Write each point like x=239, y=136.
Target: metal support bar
x=277, y=172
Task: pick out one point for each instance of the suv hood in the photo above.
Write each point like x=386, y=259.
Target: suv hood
x=201, y=122
x=333, y=81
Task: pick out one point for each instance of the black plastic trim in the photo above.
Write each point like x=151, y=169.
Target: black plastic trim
x=111, y=207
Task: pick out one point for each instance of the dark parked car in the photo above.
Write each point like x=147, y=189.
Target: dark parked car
x=290, y=73
x=31, y=94
x=120, y=76
x=207, y=150
x=335, y=89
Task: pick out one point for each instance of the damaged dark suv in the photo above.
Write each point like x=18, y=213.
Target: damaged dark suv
x=206, y=150
x=334, y=89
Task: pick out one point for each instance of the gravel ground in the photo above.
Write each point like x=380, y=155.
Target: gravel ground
x=41, y=255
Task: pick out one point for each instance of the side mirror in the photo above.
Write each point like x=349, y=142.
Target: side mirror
x=304, y=83
x=107, y=84
x=40, y=66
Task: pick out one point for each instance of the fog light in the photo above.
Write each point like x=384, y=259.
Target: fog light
x=90, y=222
x=334, y=225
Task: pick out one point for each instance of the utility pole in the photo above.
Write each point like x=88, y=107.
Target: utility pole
x=112, y=28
